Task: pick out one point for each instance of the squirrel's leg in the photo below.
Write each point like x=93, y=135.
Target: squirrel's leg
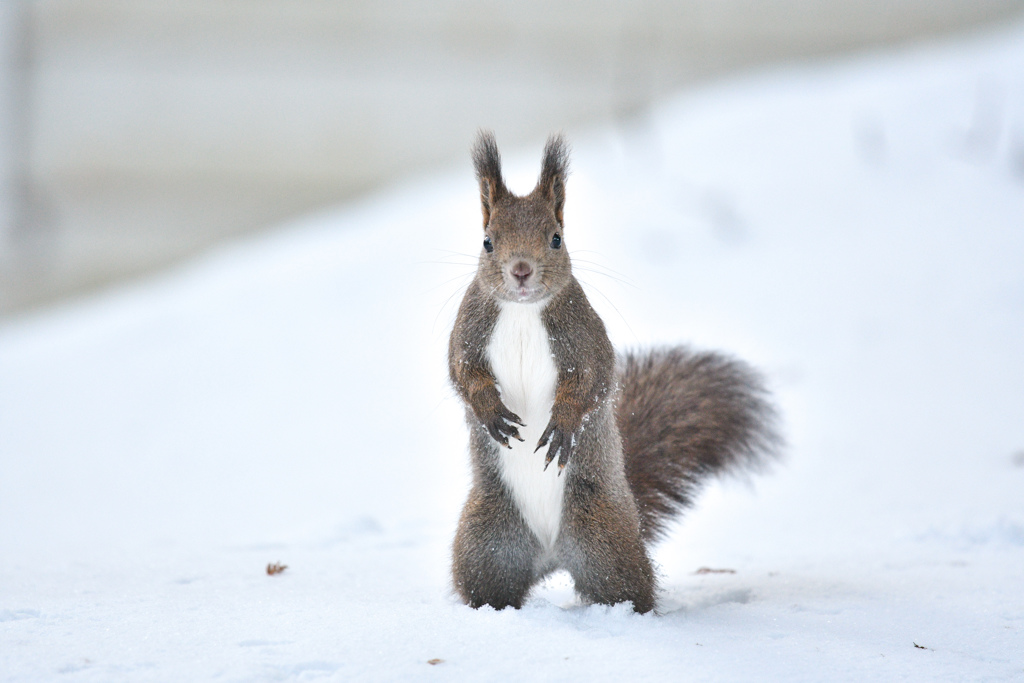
x=494, y=555
x=602, y=549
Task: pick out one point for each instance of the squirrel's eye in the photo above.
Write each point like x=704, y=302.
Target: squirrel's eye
x=488, y=247
x=556, y=241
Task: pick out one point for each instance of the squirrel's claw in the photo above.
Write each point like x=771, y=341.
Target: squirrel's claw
x=494, y=430
x=545, y=436
x=513, y=432
x=563, y=457
x=561, y=445
x=500, y=429
x=550, y=456
x=511, y=417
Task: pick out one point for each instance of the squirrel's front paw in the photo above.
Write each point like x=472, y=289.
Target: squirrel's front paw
x=561, y=444
x=501, y=426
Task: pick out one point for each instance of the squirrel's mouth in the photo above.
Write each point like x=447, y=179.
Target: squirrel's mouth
x=527, y=294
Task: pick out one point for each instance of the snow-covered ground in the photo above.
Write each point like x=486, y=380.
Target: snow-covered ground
x=855, y=229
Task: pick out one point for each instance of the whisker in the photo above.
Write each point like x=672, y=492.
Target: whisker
x=440, y=310
x=600, y=265
x=451, y=279
x=448, y=252
x=445, y=263
x=625, y=322
x=611, y=277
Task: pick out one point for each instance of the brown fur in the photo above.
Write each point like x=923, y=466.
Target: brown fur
x=629, y=464
x=684, y=416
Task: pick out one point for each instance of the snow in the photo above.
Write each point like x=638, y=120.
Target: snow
x=856, y=229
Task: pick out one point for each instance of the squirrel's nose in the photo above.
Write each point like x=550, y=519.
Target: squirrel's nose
x=522, y=272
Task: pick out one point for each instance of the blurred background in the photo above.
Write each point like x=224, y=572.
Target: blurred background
x=134, y=133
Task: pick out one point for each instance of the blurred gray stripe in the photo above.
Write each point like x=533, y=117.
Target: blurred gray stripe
x=160, y=127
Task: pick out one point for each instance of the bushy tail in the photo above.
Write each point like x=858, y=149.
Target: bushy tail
x=683, y=417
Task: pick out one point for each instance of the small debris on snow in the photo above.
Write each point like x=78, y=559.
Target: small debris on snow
x=275, y=568
x=921, y=647
x=434, y=662
x=709, y=570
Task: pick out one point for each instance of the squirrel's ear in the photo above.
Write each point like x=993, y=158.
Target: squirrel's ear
x=553, y=173
x=487, y=161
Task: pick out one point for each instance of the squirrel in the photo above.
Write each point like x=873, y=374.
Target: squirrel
x=635, y=435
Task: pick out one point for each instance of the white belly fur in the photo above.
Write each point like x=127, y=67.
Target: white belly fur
x=520, y=357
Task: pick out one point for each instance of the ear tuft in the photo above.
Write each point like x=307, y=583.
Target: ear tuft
x=487, y=161
x=553, y=173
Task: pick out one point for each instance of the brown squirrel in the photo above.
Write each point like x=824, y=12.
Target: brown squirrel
x=635, y=437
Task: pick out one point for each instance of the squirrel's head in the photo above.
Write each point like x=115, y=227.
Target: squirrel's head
x=523, y=258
